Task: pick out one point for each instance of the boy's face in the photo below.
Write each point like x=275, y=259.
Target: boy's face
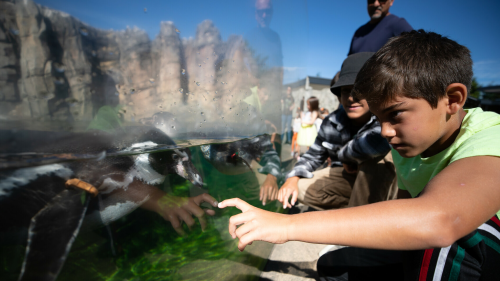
x=411, y=126
x=355, y=109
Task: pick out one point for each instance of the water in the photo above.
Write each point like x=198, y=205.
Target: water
x=143, y=245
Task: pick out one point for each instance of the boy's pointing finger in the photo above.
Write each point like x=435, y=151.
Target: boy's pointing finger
x=235, y=202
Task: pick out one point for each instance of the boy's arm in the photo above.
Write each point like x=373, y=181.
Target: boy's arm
x=271, y=166
x=269, y=160
x=368, y=145
x=308, y=163
x=459, y=199
x=312, y=159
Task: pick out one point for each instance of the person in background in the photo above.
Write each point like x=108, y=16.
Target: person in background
x=322, y=114
x=297, y=123
x=383, y=25
x=287, y=106
x=308, y=133
x=265, y=44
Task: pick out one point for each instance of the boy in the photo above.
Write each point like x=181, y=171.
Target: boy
x=447, y=162
x=361, y=172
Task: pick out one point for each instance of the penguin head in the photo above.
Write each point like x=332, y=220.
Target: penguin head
x=176, y=161
x=163, y=121
x=229, y=158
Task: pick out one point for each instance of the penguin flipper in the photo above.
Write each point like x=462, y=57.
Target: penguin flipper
x=52, y=233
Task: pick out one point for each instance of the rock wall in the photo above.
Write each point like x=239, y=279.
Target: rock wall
x=53, y=67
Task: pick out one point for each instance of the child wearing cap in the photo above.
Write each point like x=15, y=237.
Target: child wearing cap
x=448, y=170
x=361, y=171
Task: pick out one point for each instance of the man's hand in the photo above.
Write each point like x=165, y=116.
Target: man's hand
x=256, y=224
x=289, y=188
x=177, y=209
x=269, y=189
x=350, y=168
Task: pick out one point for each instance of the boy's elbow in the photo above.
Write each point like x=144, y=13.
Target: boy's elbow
x=444, y=230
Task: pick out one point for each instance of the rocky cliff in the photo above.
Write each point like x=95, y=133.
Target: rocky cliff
x=53, y=67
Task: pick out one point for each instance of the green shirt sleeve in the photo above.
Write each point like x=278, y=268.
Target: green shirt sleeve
x=483, y=143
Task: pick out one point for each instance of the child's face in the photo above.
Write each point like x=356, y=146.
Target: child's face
x=262, y=92
x=355, y=109
x=308, y=106
x=412, y=126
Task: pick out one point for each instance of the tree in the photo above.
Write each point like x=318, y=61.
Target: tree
x=474, y=92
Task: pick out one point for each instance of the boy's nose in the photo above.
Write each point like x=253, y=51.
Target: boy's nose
x=387, y=130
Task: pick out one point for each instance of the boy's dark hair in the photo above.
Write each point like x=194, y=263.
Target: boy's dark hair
x=314, y=103
x=416, y=64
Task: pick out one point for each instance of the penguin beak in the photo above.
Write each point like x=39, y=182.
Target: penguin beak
x=185, y=168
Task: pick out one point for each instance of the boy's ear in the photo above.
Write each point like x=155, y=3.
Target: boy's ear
x=457, y=95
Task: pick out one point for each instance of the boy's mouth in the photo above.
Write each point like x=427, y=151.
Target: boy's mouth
x=396, y=146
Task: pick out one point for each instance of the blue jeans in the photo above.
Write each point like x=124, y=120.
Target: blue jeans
x=286, y=125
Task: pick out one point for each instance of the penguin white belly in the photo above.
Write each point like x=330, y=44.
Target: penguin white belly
x=24, y=176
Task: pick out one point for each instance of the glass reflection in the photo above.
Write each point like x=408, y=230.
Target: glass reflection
x=116, y=145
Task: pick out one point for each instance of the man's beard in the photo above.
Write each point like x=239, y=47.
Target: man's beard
x=377, y=16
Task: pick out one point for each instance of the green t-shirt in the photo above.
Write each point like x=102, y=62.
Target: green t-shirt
x=479, y=136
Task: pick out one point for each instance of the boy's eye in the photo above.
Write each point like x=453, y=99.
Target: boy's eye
x=346, y=91
x=395, y=113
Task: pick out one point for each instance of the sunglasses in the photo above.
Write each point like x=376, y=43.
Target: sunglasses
x=261, y=12
x=371, y=2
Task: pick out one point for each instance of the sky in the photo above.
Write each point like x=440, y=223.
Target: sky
x=315, y=34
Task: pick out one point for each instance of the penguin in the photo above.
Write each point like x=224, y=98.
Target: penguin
x=235, y=157
x=50, y=191
x=165, y=121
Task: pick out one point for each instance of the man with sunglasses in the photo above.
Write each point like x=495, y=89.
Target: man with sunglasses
x=383, y=25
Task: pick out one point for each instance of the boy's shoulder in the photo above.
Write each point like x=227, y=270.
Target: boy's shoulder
x=479, y=135
x=477, y=120
x=338, y=116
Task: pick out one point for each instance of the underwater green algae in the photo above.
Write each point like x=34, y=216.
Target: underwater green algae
x=148, y=248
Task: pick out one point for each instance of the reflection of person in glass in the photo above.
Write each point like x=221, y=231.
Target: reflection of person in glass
x=263, y=40
x=265, y=44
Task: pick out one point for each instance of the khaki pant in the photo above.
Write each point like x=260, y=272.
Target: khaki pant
x=333, y=188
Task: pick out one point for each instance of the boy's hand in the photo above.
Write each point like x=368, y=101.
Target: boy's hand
x=351, y=169
x=269, y=189
x=289, y=188
x=256, y=224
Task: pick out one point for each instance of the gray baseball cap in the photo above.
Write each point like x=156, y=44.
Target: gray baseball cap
x=350, y=68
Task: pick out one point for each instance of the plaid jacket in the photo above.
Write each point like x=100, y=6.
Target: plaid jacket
x=336, y=141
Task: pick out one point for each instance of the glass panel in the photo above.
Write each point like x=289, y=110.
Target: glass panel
x=122, y=124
